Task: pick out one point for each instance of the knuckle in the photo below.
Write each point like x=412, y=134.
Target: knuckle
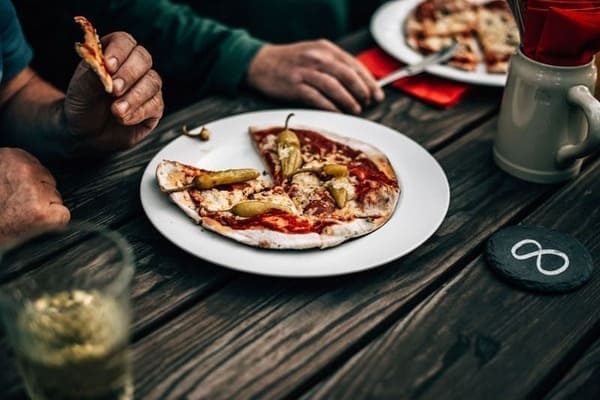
x=137, y=92
x=307, y=94
x=348, y=75
x=311, y=57
x=126, y=37
x=331, y=84
x=24, y=169
x=158, y=102
x=127, y=72
x=296, y=77
x=155, y=80
x=144, y=55
x=324, y=43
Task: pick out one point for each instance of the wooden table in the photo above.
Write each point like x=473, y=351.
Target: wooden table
x=434, y=324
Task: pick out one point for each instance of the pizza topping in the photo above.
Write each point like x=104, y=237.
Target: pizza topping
x=251, y=208
x=335, y=170
x=214, y=200
x=339, y=194
x=327, y=170
x=288, y=150
x=320, y=207
x=202, y=134
x=91, y=52
x=274, y=220
x=226, y=177
x=209, y=180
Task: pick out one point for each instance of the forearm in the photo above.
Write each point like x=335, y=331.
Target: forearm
x=32, y=117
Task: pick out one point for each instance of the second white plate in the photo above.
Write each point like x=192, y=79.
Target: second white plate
x=387, y=28
x=422, y=206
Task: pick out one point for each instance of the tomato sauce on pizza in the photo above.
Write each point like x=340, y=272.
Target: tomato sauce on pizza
x=326, y=189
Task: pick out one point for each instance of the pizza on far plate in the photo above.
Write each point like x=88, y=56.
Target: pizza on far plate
x=325, y=189
x=486, y=32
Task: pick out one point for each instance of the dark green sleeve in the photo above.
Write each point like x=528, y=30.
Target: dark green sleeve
x=185, y=47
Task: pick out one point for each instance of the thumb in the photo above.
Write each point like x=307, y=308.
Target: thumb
x=85, y=85
x=87, y=105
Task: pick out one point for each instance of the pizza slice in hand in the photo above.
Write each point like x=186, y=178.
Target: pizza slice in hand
x=91, y=52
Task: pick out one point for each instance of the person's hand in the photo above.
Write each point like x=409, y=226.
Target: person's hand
x=318, y=73
x=123, y=118
x=29, y=201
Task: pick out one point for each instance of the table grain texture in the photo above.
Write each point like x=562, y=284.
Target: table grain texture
x=435, y=324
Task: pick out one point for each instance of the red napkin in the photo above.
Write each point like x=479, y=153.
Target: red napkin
x=437, y=91
x=560, y=32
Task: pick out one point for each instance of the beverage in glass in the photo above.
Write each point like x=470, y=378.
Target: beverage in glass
x=68, y=314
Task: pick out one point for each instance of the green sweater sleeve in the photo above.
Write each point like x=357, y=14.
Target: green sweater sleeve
x=185, y=46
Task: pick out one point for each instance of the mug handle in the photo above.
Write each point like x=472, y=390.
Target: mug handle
x=581, y=96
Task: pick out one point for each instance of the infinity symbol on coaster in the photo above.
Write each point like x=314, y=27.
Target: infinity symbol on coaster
x=538, y=254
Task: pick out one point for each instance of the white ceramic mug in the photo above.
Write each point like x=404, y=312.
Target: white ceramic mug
x=549, y=120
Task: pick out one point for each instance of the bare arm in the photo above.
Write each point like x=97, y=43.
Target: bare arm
x=31, y=115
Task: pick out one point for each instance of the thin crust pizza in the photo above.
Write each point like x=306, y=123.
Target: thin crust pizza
x=91, y=52
x=325, y=190
x=485, y=32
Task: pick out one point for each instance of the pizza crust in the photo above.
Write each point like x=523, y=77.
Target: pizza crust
x=169, y=177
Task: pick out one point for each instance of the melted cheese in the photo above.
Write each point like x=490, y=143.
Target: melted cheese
x=222, y=200
x=269, y=143
x=280, y=199
x=306, y=178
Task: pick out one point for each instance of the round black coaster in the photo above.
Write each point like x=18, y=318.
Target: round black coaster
x=539, y=259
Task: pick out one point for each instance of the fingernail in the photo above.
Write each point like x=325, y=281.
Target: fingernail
x=112, y=63
x=379, y=95
x=356, y=109
x=122, y=107
x=118, y=84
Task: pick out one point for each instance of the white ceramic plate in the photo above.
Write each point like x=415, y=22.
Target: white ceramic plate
x=387, y=28
x=421, y=208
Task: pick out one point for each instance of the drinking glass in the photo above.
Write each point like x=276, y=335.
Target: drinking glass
x=67, y=315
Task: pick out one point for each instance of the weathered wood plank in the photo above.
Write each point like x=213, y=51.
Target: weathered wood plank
x=270, y=338
x=477, y=337
x=583, y=380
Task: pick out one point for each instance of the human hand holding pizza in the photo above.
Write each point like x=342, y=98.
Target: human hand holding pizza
x=316, y=72
x=28, y=196
x=117, y=120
